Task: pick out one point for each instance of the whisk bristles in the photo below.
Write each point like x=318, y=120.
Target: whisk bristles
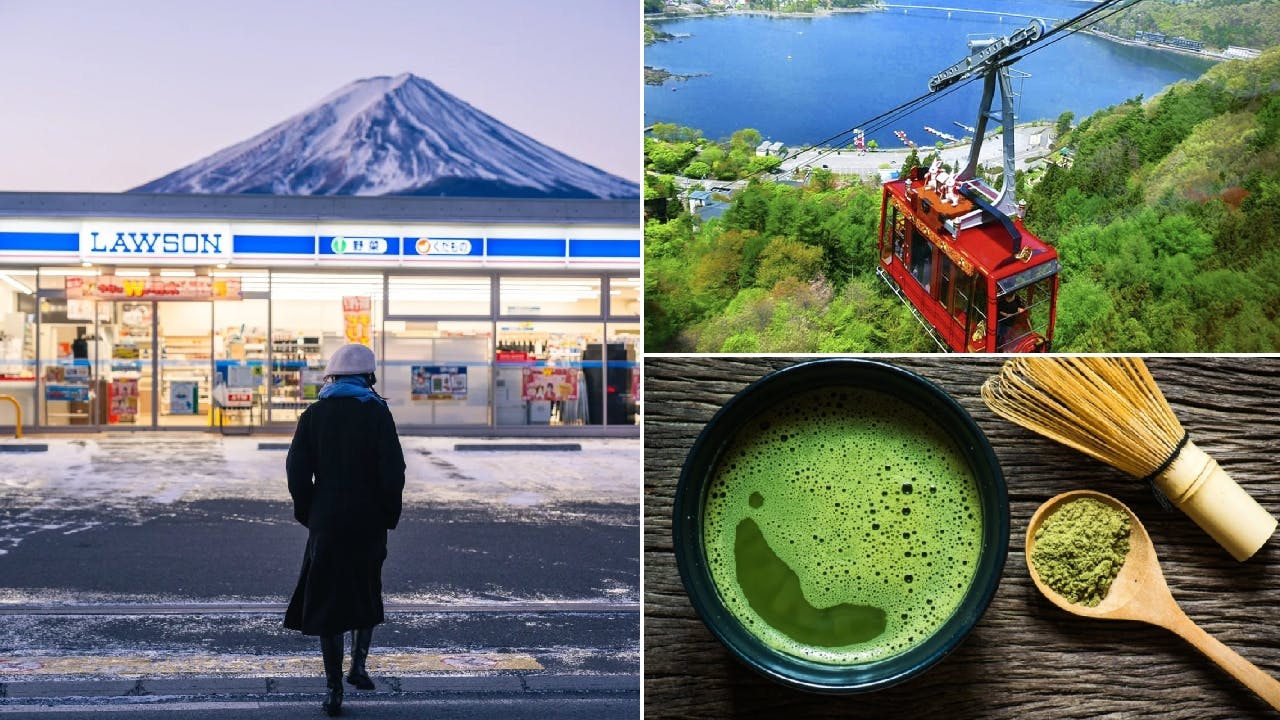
x=1106, y=407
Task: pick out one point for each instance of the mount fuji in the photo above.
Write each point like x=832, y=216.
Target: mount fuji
x=398, y=135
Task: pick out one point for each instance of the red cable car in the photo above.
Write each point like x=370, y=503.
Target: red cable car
x=959, y=272
x=956, y=251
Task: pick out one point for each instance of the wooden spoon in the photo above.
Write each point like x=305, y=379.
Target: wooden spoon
x=1140, y=593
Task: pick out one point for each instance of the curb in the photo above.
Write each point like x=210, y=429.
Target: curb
x=388, y=686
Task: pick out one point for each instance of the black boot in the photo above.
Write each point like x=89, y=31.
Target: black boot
x=360, y=640
x=331, y=648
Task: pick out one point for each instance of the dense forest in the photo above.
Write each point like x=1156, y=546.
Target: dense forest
x=1167, y=226
x=1217, y=23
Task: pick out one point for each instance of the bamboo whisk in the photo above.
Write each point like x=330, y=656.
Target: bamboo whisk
x=1111, y=409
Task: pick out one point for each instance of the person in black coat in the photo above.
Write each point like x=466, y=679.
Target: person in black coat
x=346, y=477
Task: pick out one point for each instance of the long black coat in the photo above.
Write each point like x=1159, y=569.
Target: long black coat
x=346, y=476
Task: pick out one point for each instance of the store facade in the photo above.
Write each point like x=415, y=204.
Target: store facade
x=149, y=311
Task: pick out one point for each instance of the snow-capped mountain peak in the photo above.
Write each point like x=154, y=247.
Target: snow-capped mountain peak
x=400, y=135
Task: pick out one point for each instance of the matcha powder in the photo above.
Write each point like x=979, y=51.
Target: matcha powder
x=1080, y=549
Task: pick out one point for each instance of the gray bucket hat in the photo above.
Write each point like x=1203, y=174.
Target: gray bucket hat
x=353, y=359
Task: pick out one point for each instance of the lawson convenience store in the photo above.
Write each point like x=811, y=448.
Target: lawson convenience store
x=169, y=311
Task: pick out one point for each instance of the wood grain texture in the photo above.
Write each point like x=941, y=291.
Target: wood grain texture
x=1026, y=659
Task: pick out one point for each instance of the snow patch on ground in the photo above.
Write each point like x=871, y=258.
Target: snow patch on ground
x=128, y=475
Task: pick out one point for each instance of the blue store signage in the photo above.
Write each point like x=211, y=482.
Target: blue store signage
x=148, y=243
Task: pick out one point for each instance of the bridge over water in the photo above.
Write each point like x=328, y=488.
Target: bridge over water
x=1050, y=21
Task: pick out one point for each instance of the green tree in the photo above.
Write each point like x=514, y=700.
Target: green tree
x=762, y=163
x=745, y=139
x=912, y=161
x=666, y=157
x=1063, y=127
x=697, y=169
x=673, y=133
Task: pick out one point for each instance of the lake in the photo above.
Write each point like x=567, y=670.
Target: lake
x=801, y=80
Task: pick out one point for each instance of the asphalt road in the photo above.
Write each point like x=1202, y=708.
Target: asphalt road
x=124, y=587
x=237, y=549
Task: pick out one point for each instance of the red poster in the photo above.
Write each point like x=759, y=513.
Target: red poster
x=110, y=287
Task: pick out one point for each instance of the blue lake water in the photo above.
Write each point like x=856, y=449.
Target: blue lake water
x=802, y=80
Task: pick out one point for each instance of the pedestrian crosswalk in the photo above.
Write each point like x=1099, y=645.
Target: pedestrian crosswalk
x=161, y=665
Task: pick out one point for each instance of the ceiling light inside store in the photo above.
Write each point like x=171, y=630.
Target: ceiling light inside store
x=251, y=281
x=133, y=273
x=286, y=286
x=439, y=289
x=69, y=271
x=549, y=290
x=16, y=283
x=177, y=273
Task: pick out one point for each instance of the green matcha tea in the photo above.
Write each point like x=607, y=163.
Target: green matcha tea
x=842, y=526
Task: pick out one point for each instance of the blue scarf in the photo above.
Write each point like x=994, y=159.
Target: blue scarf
x=349, y=386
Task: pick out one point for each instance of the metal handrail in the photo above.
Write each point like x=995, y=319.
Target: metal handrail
x=17, y=425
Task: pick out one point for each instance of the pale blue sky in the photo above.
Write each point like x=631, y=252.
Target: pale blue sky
x=104, y=96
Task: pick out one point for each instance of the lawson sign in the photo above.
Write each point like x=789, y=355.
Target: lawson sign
x=125, y=243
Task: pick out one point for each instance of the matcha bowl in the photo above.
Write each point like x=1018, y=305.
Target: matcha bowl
x=841, y=525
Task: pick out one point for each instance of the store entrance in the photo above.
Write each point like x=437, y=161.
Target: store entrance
x=128, y=364
x=157, y=371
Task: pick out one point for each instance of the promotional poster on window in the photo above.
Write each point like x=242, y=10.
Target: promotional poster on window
x=438, y=382
x=123, y=406
x=355, y=315
x=554, y=384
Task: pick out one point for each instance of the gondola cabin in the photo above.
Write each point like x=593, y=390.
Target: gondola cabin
x=975, y=277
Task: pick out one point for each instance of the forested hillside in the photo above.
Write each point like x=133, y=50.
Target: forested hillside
x=1167, y=226
x=1168, y=223
x=1217, y=23
x=786, y=269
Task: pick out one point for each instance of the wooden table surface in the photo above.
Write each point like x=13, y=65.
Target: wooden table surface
x=1026, y=658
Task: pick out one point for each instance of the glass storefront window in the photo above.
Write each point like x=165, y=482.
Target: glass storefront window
x=240, y=360
x=623, y=388
x=624, y=297
x=185, y=362
x=70, y=349
x=438, y=373
x=548, y=353
x=438, y=295
x=523, y=296
x=312, y=315
x=18, y=343
x=545, y=375
x=17, y=324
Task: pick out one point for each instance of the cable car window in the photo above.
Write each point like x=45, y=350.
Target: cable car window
x=897, y=227
x=1026, y=277
x=921, y=259
x=962, y=304
x=1024, y=316
x=946, y=282
x=976, y=326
